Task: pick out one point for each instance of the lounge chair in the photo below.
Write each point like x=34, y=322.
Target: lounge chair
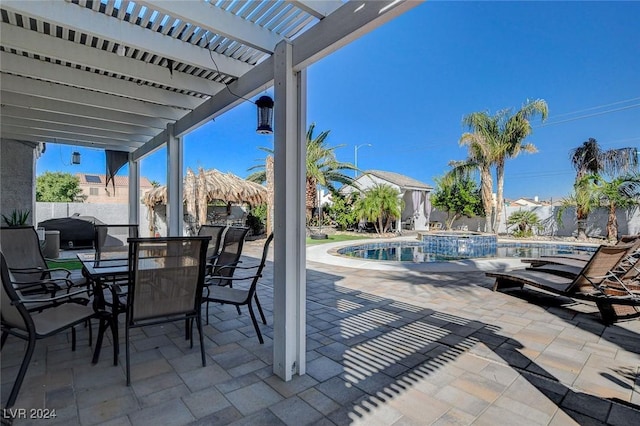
x=598, y=281
x=578, y=260
x=571, y=267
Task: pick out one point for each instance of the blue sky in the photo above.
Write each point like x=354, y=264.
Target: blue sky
x=405, y=87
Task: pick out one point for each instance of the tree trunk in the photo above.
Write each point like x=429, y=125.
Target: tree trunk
x=499, y=196
x=612, y=224
x=486, y=185
x=311, y=199
x=581, y=223
x=449, y=222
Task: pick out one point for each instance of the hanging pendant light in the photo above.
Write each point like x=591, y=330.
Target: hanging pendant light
x=75, y=157
x=265, y=115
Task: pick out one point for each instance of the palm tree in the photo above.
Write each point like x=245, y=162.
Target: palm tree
x=526, y=221
x=621, y=191
x=590, y=159
x=494, y=139
x=511, y=143
x=381, y=205
x=323, y=168
x=480, y=155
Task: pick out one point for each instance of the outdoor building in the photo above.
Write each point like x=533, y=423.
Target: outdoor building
x=95, y=188
x=527, y=202
x=414, y=194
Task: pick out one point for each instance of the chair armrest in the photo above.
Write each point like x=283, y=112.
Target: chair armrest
x=56, y=282
x=220, y=278
x=66, y=271
x=52, y=299
x=40, y=270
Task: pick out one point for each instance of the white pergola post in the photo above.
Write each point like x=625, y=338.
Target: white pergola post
x=134, y=191
x=289, y=276
x=174, y=183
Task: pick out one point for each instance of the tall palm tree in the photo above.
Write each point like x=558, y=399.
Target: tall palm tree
x=511, y=143
x=481, y=154
x=323, y=168
x=497, y=138
x=589, y=158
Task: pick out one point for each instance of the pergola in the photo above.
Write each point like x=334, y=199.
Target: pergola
x=134, y=76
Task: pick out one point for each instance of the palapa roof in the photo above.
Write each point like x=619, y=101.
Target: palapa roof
x=211, y=185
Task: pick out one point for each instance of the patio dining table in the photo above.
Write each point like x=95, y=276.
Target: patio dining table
x=107, y=271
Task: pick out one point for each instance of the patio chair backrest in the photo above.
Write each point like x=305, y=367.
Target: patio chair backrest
x=13, y=315
x=166, y=277
x=263, y=262
x=215, y=232
x=599, y=267
x=21, y=248
x=231, y=250
x=113, y=238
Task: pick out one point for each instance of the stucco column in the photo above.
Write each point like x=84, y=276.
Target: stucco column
x=289, y=276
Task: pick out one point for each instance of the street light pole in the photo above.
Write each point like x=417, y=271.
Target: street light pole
x=355, y=157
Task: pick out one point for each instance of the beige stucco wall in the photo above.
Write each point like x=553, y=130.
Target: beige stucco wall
x=17, y=175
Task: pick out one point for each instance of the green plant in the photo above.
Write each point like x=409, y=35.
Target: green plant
x=589, y=159
x=458, y=195
x=323, y=168
x=342, y=212
x=17, y=218
x=526, y=221
x=493, y=139
x=257, y=218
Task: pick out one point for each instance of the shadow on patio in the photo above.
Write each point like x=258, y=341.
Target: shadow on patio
x=450, y=356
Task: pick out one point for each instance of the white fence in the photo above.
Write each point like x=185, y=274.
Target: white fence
x=114, y=214
x=106, y=213
x=628, y=221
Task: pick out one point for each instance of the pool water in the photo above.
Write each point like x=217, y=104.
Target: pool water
x=408, y=251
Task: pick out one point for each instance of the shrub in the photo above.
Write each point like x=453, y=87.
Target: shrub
x=257, y=218
x=525, y=221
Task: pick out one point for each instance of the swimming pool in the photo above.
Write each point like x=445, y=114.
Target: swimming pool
x=419, y=252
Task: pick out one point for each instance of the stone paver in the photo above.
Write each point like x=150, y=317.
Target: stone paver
x=386, y=346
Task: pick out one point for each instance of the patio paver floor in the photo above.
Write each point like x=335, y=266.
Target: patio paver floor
x=384, y=347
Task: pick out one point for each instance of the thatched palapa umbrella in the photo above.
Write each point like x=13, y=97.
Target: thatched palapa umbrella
x=206, y=187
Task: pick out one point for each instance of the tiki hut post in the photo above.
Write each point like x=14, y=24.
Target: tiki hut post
x=203, y=197
x=190, y=195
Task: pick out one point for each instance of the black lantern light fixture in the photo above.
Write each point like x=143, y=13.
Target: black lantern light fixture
x=265, y=115
x=75, y=157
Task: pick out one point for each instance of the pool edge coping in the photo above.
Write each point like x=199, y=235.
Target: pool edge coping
x=327, y=254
